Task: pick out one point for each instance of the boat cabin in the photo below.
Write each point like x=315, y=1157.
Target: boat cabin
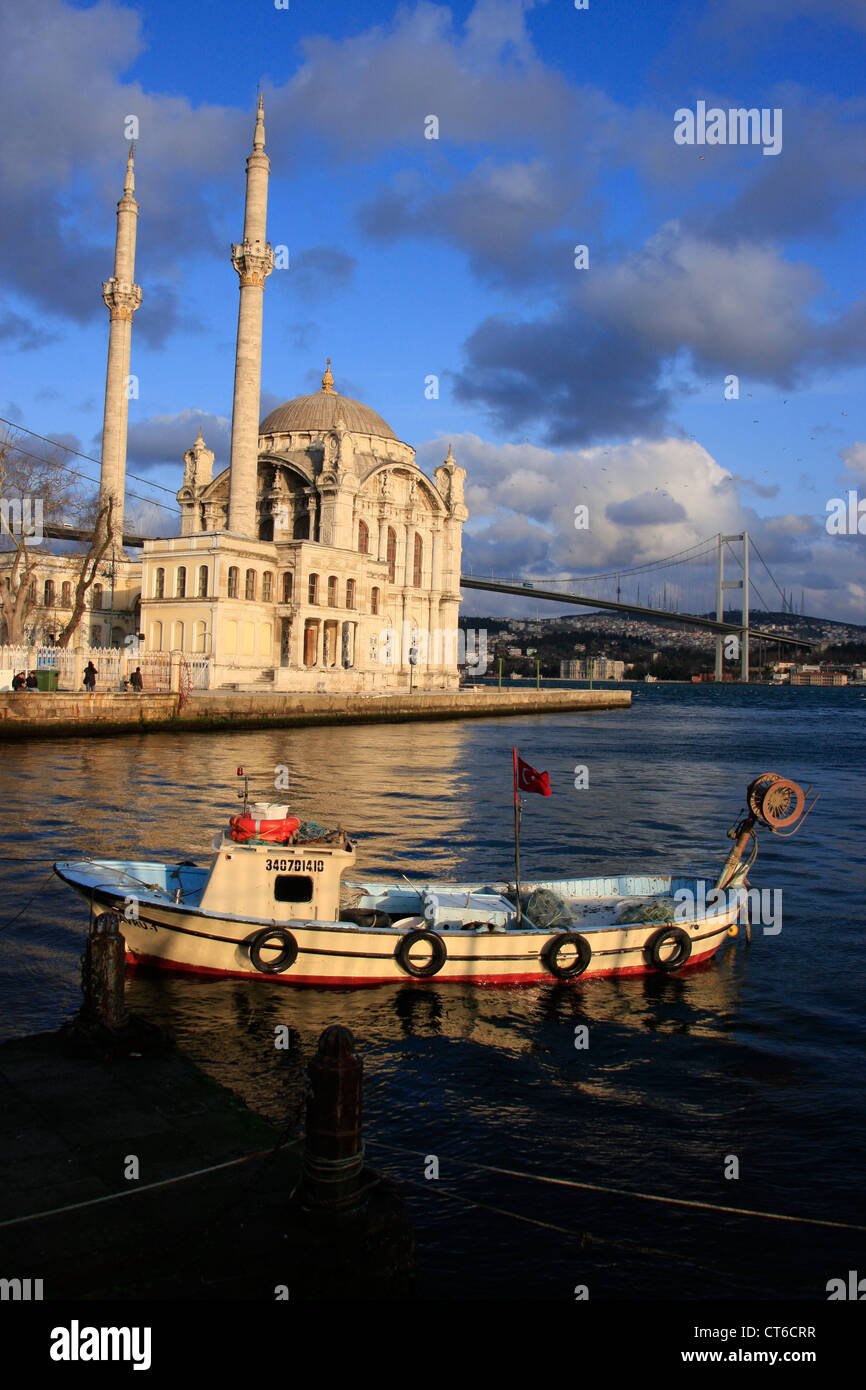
x=292, y=881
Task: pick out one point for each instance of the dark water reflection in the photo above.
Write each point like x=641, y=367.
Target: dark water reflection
x=760, y=1056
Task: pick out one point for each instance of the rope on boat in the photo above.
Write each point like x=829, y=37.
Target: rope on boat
x=133, y=1191
x=625, y=1192
x=586, y=1238
x=42, y=886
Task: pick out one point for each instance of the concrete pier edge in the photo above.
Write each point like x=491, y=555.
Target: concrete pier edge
x=76, y=715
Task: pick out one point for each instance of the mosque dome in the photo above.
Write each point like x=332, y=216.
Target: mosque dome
x=312, y=414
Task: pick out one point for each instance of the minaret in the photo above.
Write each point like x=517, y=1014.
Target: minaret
x=122, y=296
x=253, y=260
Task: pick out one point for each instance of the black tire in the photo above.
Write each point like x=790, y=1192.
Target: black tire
x=552, y=951
x=668, y=936
x=436, y=961
x=287, y=956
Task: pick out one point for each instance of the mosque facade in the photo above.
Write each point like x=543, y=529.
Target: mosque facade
x=322, y=557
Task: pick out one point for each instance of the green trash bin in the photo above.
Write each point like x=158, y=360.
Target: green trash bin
x=46, y=680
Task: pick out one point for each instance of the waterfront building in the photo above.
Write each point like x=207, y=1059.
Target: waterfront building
x=599, y=668
x=321, y=557
x=816, y=675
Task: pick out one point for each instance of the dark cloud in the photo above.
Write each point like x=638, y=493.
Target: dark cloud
x=63, y=157
x=319, y=271
x=650, y=509
x=598, y=366
x=752, y=485
x=21, y=334
x=508, y=217
x=164, y=439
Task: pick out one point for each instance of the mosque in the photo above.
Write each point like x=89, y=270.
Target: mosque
x=322, y=557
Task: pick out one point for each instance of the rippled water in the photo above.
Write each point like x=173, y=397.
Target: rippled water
x=762, y=1056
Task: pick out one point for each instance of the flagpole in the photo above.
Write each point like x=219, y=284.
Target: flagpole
x=516, y=840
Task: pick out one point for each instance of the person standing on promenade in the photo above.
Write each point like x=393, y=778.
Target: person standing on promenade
x=90, y=677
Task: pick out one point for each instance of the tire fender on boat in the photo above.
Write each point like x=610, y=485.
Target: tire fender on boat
x=554, y=948
x=287, y=956
x=668, y=936
x=435, y=963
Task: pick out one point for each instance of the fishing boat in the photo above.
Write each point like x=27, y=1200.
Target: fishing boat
x=273, y=904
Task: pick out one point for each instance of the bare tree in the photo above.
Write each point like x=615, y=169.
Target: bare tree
x=90, y=561
x=28, y=477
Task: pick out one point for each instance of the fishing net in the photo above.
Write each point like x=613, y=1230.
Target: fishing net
x=543, y=908
x=310, y=832
x=651, y=910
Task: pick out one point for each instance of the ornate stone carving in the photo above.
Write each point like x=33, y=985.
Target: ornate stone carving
x=252, y=263
x=121, y=298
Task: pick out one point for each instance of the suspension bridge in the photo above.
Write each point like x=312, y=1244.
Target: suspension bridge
x=683, y=588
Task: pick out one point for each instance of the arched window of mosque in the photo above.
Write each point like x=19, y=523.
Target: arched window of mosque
x=391, y=555
x=332, y=591
x=418, y=561
x=234, y=581
x=350, y=593
x=159, y=584
x=66, y=594
x=97, y=596
x=374, y=601
x=180, y=587
x=287, y=587
x=202, y=582
x=363, y=538
x=301, y=528
x=313, y=589
x=250, y=588
x=48, y=593
x=267, y=586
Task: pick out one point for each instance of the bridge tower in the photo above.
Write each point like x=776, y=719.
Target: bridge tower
x=724, y=584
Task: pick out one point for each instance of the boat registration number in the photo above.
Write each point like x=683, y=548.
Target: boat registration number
x=296, y=866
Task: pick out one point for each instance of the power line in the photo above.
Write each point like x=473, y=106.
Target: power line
x=68, y=449
x=64, y=467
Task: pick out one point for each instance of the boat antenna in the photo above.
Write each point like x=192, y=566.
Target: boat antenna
x=246, y=791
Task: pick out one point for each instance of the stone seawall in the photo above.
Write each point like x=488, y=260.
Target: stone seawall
x=41, y=715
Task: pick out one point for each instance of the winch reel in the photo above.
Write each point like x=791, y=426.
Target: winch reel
x=777, y=802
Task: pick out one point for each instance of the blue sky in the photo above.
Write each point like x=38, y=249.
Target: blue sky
x=454, y=257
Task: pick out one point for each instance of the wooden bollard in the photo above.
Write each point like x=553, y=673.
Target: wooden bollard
x=333, y=1152
x=103, y=973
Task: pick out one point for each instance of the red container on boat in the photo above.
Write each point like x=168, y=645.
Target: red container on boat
x=276, y=832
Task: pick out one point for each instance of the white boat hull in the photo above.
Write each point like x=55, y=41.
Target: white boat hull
x=173, y=936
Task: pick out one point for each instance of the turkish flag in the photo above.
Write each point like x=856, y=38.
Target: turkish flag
x=528, y=780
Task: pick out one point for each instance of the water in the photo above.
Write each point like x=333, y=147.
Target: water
x=761, y=1058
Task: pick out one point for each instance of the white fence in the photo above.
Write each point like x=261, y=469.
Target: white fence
x=114, y=665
